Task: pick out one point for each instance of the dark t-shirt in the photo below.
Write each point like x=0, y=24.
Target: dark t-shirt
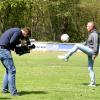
x=10, y=38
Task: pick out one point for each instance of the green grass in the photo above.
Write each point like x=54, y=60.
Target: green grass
x=41, y=76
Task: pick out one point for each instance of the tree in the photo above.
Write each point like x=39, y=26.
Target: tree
x=48, y=19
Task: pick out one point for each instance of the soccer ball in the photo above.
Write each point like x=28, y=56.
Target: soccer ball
x=64, y=37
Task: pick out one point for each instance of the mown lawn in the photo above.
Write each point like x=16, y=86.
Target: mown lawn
x=41, y=76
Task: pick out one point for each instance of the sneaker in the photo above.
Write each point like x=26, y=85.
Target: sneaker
x=5, y=91
x=16, y=94
x=92, y=84
x=62, y=58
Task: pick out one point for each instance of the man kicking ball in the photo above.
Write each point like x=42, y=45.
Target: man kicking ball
x=91, y=48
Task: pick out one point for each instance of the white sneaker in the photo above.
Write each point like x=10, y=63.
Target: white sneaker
x=62, y=58
x=92, y=84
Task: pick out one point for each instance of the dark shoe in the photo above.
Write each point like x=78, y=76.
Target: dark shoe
x=5, y=91
x=16, y=94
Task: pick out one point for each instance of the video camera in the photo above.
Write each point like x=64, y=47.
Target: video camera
x=24, y=48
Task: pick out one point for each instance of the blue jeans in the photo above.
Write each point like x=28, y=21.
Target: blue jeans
x=87, y=51
x=9, y=77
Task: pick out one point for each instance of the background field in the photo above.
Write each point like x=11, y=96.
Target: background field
x=41, y=76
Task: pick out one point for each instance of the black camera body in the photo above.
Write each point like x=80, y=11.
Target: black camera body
x=23, y=49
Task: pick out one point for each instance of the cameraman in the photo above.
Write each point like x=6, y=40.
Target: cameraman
x=8, y=41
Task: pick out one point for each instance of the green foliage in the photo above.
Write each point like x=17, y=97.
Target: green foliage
x=49, y=19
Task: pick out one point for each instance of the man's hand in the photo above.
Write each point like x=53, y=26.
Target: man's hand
x=23, y=42
x=94, y=56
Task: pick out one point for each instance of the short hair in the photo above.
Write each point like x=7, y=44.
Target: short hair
x=27, y=30
x=92, y=24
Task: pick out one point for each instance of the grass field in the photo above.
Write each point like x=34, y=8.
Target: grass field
x=41, y=76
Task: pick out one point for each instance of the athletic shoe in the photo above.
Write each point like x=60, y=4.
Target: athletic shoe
x=62, y=58
x=16, y=94
x=92, y=84
x=5, y=91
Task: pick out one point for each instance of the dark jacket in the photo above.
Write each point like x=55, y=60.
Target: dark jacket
x=10, y=38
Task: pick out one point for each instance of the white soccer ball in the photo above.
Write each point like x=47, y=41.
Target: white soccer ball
x=65, y=37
